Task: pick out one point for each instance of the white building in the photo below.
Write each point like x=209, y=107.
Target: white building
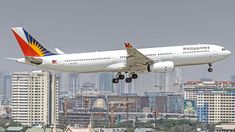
x=225, y=127
x=216, y=106
x=191, y=88
x=34, y=97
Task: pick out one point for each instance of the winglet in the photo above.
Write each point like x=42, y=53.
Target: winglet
x=128, y=45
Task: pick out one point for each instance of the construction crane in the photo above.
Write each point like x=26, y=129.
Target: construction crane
x=112, y=108
x=66, y=107
x=86, y=103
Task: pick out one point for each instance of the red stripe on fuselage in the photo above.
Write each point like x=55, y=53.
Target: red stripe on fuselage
x=27, y=50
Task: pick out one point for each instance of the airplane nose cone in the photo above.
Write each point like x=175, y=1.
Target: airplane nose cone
x=228, y=53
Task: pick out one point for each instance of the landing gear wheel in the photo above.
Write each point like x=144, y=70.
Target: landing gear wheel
x=134, y=76
x=210, y=69
x=115, y=80
x=121, y=77
x=128, y=80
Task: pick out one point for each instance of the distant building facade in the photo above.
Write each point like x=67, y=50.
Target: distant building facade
x=73, y=83
x=80, y=109
x=165, y=102
x=7, y=88
x=226, y=127
x=1, y=88
x=216, y=106
x=205, y=95
x=34, y=97
x=171, y=103
x=105, y=82
x=191, y=88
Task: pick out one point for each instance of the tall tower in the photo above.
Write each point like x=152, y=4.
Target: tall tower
x=7, y=87
x=233, y=78
x=73, y=83
x=34, y=95
x=105, y=82
x=2, y=95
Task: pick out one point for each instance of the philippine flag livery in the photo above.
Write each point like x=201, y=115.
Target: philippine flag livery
x=54, y=61
x=29, y=45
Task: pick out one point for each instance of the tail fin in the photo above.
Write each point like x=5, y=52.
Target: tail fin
x=29, y=45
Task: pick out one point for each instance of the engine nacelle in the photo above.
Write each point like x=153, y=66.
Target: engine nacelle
x=165, y=66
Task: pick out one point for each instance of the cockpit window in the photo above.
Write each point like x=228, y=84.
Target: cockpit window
x=223, y=49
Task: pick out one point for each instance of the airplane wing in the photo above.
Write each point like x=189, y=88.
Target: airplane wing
x=136, y=59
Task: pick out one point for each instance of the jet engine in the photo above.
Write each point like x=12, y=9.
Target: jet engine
x=165, y=66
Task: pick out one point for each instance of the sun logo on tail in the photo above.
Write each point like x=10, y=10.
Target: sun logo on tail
x=35, y=46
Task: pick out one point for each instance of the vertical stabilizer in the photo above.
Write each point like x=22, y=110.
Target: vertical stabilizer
x=29, y=45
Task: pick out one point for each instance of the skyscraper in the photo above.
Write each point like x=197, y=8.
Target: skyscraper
x=233, y=78
x=2, y=96
x=34, y=97
x=73, y=83
x=7, y=87
x=105, y=82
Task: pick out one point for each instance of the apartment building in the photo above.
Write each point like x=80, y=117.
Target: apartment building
x=35, y=97
x=216, y=106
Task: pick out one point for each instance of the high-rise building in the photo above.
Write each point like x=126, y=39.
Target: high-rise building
x=165, y=102
x=159, y=82
x=73, y=83
x=171, y=103
x=173, y=81
x=2, y=96
x=215, y=106
x=7, y=87
x=105, y=82
x=35, y=97
x=233, y=78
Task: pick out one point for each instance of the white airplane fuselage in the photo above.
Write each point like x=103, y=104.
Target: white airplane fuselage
x=114, y=61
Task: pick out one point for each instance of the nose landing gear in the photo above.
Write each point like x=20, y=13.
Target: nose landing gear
x=210, y=69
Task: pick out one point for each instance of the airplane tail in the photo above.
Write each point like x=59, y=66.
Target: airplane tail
x=29, y=45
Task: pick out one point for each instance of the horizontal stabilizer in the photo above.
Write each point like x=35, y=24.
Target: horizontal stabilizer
x=58, y=51
x=11, y=58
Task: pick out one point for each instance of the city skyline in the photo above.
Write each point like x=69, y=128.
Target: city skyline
x=71, y=27
x=187, y=99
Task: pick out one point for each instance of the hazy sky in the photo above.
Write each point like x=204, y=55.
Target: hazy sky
x=81, y=26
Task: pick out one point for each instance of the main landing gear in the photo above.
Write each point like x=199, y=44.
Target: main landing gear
x=131, y=76
x=120, y=76
x=210, y=69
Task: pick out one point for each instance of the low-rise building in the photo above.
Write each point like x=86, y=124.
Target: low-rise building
x=230, y=127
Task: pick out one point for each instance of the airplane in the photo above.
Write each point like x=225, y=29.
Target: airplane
x=131, y=60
